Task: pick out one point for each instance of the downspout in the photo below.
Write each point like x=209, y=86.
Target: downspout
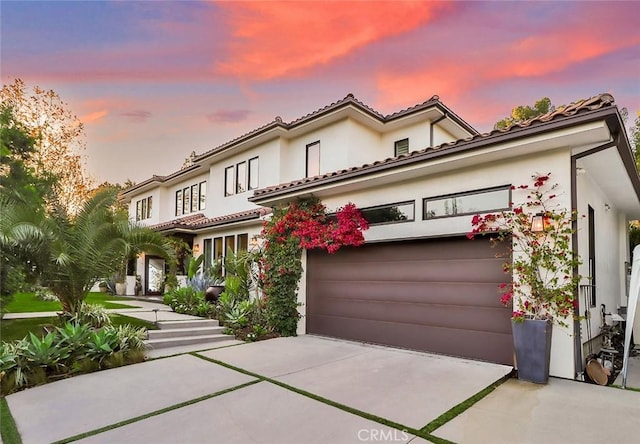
x=431, y=124
x=577, y=336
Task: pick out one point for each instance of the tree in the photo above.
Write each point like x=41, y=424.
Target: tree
x=526, y=112
x=634, y=132
x=59, y=141
x=73, y=251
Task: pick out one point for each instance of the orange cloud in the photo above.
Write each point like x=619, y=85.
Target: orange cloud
x=277, y=39
x=94, y=116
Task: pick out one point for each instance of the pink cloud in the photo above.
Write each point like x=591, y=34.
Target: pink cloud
x=94, y=116
x=228, y=115
x=276, y=39
x=137, y=116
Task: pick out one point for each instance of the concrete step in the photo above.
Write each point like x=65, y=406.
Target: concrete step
x=181, y=332
x=185, y=340
x=201, y=323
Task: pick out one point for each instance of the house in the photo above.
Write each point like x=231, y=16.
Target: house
x=418, y=175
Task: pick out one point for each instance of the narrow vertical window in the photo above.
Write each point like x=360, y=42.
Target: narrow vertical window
x=243, y=242
x=313, y=159
x=217, y=248
x=253, y=173
x=592, y=254
x=138, y=210
x=229, y=245
x=179, y=203
x=186, y=200
x=228, y=181
x=203, y=195
x=241, y=177
x=149, y=208
x=143, y=209
x=195, y=199
x=401, y=147
x=208, y=253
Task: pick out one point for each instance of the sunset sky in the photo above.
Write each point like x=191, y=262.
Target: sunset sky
x=155, y=80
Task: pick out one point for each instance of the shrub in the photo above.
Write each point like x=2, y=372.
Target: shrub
x=94, y=315
x=189, y=301
x=44, y=294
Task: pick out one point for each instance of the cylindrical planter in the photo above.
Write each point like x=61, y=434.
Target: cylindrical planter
x=121, y=288
x=532, y=342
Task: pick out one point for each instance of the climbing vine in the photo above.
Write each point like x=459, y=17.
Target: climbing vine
x=303, y=224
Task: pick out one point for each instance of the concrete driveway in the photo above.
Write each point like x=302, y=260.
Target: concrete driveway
x=286, y=390
x=305, y=389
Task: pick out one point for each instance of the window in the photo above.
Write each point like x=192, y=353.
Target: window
x=208, y=253
x=229, y=245
x=179, y=203
x=228, y=181
x=203, y=195
x=243, y=242
x=472, y=202
x=313, y=159
x=186, y=200
x=195, y=198
x=253, y=173
x=143, y=209
x=592, y=255
x=191, y=199
x=241, y=177
x=217, y=248
x=390, y=214
x=401, y=147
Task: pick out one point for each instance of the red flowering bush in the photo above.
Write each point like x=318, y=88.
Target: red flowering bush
x=304, y=224
x=541, y=263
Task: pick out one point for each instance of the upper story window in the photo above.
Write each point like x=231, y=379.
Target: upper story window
x=313, y=159
x=401, y=147
x=191, y=199
x=471, y=202
x=390, y=214
x=253, y=173
x=241, y=177
x=143, y=209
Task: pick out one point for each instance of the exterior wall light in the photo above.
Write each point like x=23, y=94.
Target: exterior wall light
x=539, y=223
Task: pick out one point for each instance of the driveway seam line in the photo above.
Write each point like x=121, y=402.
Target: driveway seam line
x=153, y=413
x=354, y=411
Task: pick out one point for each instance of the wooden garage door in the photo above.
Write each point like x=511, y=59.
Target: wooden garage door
x=435, y=295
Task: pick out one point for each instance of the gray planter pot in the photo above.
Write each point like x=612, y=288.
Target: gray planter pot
x=532, y=342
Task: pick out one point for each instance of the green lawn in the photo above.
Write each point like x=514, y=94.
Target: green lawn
x=29, y=303
x=16, y=329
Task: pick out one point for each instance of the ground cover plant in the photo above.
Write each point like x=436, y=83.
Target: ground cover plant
x=29, y=302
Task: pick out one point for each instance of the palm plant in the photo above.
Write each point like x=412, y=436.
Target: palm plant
x=73, y=252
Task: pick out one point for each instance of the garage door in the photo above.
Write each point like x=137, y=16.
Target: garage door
x=435, y=295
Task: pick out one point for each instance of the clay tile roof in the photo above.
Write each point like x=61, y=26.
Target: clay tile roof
x=582, y=106
x=199, y=221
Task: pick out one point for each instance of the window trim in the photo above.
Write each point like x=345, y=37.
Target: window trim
x=195, y=192
x=466, y=193
x=178, y=208
x=395, y=146
x=143, y=208
x=202, y=195
x=394, y=204
x=306, y=166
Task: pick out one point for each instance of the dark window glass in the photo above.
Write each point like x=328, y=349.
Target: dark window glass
x=253, y=173
x=229, y=245
x=203, y=195
x=480, y=201
x=149, y=208
x=208, y=253
x=241, y=177
x=228, y=181
x=401, y=147
x=179, y=203
x=313, y=159
x=138, y=210
x=394, y=213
